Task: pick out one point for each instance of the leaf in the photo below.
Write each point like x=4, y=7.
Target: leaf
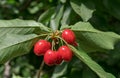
x=91, y=39
x=55, y=20
x=46, y=15
x=91, y=64
x=60, y=70
x=16, y=76
x=17, y=37
x=87, y=73
x=66, y=16
x=84, y=11
x=15, y=45
x=17, y=26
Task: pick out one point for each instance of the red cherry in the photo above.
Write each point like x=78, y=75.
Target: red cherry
x=66, y=53
x=41, y=47
x=58, y=58
x=69, y=36
x=50, y=57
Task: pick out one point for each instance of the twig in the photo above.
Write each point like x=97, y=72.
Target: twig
x=40, y=69
x=7, y=70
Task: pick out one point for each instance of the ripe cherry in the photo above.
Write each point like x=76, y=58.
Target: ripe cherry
x=41, y=47
x=50, y=57
x=69, y=36
x=66, y=53
x=58, y=58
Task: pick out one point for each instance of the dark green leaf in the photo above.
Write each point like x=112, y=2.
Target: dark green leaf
x=17, y=37
x=92, y=40
x=60, y=70
x=15, y=45
x=91, y=64
x=87, y=73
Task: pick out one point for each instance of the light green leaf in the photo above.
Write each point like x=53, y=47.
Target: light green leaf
x=15, y=45
x=91, y=39
x=91, y=64
x=17, y=26
x=66, y=17
x=46, y=15
x=82, y=10
x=17, y=76
x=55, y=20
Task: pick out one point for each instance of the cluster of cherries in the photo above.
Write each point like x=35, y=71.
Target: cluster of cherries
x=53, y=57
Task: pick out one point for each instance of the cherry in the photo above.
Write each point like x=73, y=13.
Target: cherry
x=69, y=36
x=50, y=57
x=58, y=58
x=66, y=53
x=41, y=47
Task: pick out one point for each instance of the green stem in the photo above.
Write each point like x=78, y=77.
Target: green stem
x=62, y=40
x=52, y=45
x=47, y=38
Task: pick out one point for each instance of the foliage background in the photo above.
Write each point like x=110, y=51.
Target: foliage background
x=105, y=17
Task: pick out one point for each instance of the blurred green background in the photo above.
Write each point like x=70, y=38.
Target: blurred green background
x=106, y=17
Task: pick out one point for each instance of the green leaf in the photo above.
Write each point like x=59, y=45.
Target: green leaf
x=91, y=39
x=60, y=70
x=17, y=26
x=55, y=20
x=16, y=76
x=13, y=45
x=17, y=37
x=82, y=10
x=91, y=64
x=87, y=73
x=66, y=17
x=46, y=15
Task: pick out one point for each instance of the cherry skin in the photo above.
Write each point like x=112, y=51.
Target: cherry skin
x=69, y=36
x=50, y=57
x=66, y=53
x=58, y=58
x=41, y=47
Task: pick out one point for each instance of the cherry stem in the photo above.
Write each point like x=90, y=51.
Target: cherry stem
x=47, y=37
x=62, y=40
x=40, y=69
